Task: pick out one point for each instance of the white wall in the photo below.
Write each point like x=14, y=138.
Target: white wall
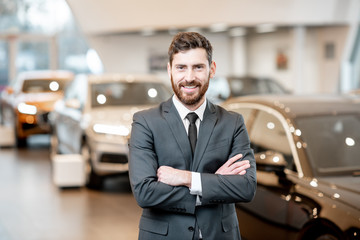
x=308, y=71
x=262, y=52
x=317, y=74
x=131, y=52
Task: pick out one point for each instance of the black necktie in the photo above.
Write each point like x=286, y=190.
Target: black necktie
x=192, y=133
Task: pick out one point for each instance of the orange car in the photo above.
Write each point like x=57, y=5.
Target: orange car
x=27, y=103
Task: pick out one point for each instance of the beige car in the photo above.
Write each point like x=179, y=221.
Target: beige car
x=27, y=103
x=95, y=117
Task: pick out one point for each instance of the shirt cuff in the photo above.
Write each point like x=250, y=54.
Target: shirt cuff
x=196, y=188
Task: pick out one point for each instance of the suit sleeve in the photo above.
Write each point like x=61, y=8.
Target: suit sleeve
x=232, y=188
x=143, y=165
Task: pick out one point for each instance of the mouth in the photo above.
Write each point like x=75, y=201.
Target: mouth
x=189, y=89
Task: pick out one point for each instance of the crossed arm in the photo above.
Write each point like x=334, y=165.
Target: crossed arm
x=176, y=177
x=161, y=186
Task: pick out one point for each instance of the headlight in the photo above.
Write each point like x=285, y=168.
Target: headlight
x=111, y=129
x=27, y=109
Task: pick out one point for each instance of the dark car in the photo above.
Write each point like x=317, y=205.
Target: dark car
x=222, y=88
x=307, y=151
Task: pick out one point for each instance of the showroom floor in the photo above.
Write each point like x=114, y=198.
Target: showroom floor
x=33, y=208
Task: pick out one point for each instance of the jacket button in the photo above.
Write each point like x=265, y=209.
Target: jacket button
x=191, y=229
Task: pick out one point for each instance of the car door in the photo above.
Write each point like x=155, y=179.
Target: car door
x=69, y=116
x=270, y=207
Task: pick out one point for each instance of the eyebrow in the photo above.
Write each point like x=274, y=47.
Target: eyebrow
x=194, y=65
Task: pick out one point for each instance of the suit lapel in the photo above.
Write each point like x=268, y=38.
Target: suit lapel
x=205, y=132
x=177, y=128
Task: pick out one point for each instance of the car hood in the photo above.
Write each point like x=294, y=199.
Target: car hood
x=345, y=189
x=44, y=101
x=116, y=115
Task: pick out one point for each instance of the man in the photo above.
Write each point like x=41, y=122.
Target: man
x=187, y=187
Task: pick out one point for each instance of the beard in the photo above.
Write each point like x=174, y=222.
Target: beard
x=190, y=99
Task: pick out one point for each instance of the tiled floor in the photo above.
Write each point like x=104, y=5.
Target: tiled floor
x=33, y=208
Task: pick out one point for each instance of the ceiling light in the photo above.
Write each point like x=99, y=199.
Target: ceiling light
x=218, y=27
x=265, y=28
x=148, y=31
x=237, y=32
x=193, y=29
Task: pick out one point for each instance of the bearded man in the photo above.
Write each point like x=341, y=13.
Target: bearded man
x=190, y=160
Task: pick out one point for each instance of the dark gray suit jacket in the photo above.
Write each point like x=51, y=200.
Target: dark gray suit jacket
x=159, y=138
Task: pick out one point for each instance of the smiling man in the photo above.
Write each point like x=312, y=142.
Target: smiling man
x=190, y=160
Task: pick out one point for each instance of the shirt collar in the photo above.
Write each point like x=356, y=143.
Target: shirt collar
x=183, y=111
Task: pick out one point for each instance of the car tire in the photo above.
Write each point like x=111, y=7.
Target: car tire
x=93, y=180
x=323, y=230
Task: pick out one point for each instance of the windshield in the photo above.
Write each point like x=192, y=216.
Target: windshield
x=124, y=93
x=332, y=143
x=249, y=86
x=44, y=85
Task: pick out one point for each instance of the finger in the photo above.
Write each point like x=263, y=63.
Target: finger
x=233, y=159
x=242, y=164
x=240, y=168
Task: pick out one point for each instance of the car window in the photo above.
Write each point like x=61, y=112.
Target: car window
x=218, y=90
x=125, y=93
x=43, y=85
x=267, y=133
x=243, y=86
x=261, y=86
x=274, y=87
x=247, y=114
x=332, y=142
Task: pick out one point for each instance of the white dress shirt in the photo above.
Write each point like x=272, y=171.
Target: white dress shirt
x=195, y=188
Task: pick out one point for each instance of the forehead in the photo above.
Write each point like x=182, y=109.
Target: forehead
x=192, y=56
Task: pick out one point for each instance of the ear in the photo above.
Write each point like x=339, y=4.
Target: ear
x=212, y=69
x=169, y=70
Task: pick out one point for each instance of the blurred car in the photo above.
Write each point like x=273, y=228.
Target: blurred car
x=95, y=116
x=222, y=88
x=26, y=104
x=307, y=152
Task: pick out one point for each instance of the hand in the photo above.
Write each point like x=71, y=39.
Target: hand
x=231, y=167
x=174, y=177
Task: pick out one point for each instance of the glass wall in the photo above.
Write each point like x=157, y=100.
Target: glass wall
x=3, y=63
x=355, y=61
x=32, y=55
x=45, y=35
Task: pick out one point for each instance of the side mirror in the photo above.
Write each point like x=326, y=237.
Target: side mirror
x=270, y=161
x=222, y=97
x=73, y=103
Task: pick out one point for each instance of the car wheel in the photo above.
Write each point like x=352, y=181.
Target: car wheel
x=93, y=180
x=321, y=231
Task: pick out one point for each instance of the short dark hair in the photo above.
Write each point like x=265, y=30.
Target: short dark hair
x=183, y=41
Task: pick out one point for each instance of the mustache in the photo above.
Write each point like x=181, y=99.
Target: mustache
x=189, y=84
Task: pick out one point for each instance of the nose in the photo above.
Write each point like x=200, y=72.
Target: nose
x=190, y=75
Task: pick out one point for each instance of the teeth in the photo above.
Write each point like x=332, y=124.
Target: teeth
x=189, y=86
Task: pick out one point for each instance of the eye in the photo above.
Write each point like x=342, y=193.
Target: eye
x=180, y=67
x=199, y=67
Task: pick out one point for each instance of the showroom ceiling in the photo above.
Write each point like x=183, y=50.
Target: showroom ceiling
x=119, y=16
